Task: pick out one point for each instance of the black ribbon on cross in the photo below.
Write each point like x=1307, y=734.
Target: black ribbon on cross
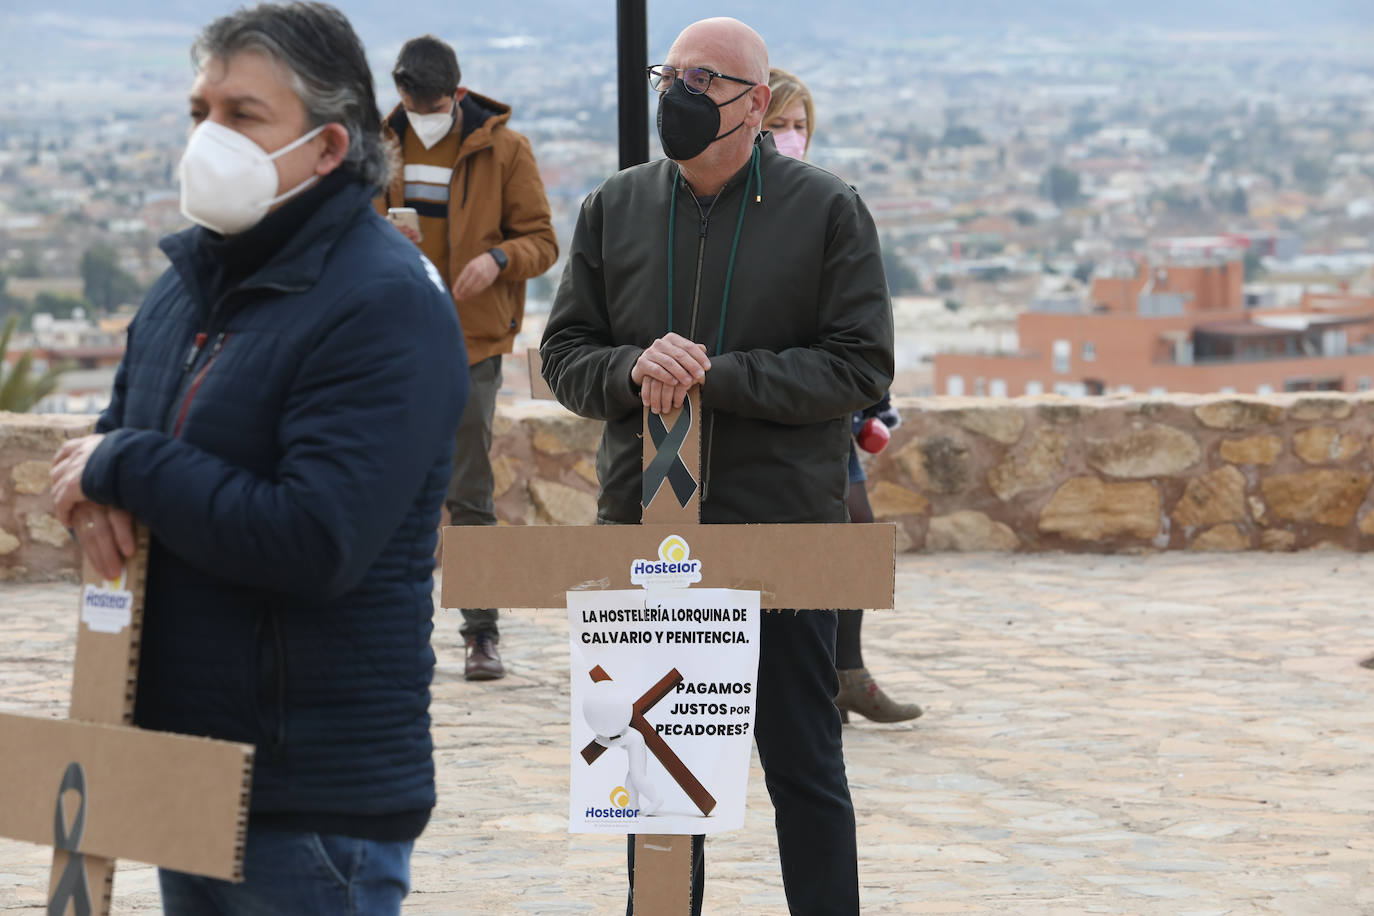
x=667, y=463
x=72, y=886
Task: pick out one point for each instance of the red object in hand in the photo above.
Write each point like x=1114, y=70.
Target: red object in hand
x=874, y=435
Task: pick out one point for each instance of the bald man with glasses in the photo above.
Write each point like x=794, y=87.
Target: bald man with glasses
x=759, y=278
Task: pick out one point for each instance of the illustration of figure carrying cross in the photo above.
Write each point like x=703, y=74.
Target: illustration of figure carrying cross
x=604, y=709
x=609, y=711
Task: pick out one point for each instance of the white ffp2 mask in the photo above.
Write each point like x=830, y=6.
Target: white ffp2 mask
x=431, y=128
x=228, y=183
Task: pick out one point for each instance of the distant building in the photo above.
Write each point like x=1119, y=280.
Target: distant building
x=1175, y=326
x=88, y=351
x=82, y=391
x=77, y=342
x=1267, y=244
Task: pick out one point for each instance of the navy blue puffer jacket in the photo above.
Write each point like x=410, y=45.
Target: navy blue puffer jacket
x=288, y=446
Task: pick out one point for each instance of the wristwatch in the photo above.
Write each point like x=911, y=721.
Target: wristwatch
x=500, y=257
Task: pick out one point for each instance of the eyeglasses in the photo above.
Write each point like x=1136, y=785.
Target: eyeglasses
x=696, y=79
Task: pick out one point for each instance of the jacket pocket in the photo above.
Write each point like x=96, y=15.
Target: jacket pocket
x=490, y=315
x=269, y=680
x=339, y=856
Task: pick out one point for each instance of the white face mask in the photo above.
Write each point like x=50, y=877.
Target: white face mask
x=431, y=128
x=228, y=183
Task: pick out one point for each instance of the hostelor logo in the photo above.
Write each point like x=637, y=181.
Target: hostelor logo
x=674, y=567
x=620, y=807
x=107, y=608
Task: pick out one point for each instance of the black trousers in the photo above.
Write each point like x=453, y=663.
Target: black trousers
x=797, y=730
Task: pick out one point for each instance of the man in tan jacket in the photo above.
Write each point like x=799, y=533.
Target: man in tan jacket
x=484, y=223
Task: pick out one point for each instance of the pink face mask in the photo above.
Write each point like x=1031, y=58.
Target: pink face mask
x=790, y=143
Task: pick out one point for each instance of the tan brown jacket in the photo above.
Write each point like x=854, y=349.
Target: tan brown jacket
x=495, y=200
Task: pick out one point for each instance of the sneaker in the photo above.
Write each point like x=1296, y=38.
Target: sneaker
x=483, y=662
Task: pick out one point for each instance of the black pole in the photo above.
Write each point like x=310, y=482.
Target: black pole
x=632, y=33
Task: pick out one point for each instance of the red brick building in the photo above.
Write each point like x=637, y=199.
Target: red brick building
x=1179, y=326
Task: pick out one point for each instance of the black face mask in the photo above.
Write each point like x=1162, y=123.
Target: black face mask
x=687, y=122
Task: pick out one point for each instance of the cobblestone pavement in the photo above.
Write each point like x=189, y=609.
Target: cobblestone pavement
x=1172, y=734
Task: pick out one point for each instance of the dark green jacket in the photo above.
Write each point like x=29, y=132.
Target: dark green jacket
x=807, y=332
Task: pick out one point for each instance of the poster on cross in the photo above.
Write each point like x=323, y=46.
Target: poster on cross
x=664, y=687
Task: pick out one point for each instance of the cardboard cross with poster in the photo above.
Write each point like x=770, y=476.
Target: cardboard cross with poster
x=686, y=757
x=95, y=788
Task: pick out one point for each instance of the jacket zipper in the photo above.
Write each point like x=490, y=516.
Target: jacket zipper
x=185, y=383
x=200, y=376
x=176, y=410
x=270, y=694
x=701, y=259
x=279, y=739
x=710, y=424
x=196, y=346
x=466, y=159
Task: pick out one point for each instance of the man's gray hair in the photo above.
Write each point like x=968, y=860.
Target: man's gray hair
x=327, y=67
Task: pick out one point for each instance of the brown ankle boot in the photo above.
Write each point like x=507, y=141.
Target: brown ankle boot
x=860, y=693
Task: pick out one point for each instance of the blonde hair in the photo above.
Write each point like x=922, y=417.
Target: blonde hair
x=786, y=89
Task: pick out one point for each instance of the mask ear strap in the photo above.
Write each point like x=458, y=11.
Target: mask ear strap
x=736, y=98
x=294, y=191
x=304, y=138
x=304, y=184
x=729, y=132
x=727, y=102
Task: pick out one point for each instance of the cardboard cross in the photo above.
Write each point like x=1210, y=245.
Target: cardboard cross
x=534, y=567
x=657, y=746
x=539, y=389
x=95, y=788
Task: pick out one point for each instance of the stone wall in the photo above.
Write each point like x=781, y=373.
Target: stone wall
x=33, y=546
x=1130, y=474
x=1046, y=473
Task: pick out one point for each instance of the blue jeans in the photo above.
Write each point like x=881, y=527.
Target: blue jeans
x=299, y=874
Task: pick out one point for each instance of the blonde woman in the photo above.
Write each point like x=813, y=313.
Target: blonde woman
x=791, y=117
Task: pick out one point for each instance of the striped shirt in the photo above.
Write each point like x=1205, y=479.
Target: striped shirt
x=428, y=174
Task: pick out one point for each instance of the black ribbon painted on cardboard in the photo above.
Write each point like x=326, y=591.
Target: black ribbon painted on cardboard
x=72, y=887
x=667, y=463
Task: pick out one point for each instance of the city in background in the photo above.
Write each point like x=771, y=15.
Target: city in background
x=1155, y=197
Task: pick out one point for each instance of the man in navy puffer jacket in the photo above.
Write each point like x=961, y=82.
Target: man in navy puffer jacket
x=283, y=423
